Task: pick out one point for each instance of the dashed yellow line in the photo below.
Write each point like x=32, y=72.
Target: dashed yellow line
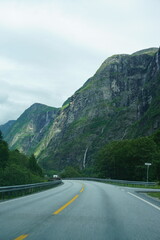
x=68, y=203
x=56, y=212
x=64, y=206
x=82, y=189
x=21, y=237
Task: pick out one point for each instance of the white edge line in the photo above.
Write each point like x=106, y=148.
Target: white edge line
x=158, y=208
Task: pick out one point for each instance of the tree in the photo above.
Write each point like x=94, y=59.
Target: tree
x=156, y=137
x=70, y=172
x=125, y=159
x=1, y=136
x=33, y=166
x=4, y=152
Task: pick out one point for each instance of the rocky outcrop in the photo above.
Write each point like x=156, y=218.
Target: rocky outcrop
x=111, y=105
x=28, y=130
x=120, y=101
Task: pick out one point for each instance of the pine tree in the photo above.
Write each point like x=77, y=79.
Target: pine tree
x=33, y=166
x=4, y=152
x=1, y=136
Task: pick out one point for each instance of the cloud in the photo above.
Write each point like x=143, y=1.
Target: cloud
x=48, y=49
x=3, y=98
x=92, y=29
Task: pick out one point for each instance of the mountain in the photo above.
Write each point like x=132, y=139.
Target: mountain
x=6, y=127
x=121, y=101
x=27, y=131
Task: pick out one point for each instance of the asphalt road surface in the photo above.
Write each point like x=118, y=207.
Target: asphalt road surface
x=81, y=210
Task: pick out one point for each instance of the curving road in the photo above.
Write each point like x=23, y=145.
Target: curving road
x=81, y=210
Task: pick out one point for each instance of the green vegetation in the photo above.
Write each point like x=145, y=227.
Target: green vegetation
x=137, y=186
x=85, y=87
x=155, y=195
x=149, y=51
x=65, y=106
x=70, y=172
x=28, y=130
x=33, y=166
x=76, y=124
x=75, y=172
x=126, y=159
x=16, y=168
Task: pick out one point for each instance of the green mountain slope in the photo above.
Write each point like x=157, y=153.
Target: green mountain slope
x=5, y=128
x=28, y=130
x=120, y=101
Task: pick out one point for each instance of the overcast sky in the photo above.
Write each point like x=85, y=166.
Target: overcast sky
x=49, y=48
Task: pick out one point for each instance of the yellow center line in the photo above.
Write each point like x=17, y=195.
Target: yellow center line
x=21, y=237
x=82, y=189
x=64, y=206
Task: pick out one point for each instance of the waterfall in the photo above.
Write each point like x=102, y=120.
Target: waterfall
x=84, y=159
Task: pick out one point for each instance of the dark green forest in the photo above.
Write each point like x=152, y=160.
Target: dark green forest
x=126, y=159
x=16, y=168
x=123, y=160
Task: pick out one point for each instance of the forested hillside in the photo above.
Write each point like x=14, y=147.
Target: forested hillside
x=16, y=168
x=126, y=159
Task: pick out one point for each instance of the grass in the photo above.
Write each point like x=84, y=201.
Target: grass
x=65, y=106
x=155, y=195
x=135, y=185
x=150, y=51
x=85, y=87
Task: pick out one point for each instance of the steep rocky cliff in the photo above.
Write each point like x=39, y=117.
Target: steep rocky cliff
x=27, y=131
x=120, y=101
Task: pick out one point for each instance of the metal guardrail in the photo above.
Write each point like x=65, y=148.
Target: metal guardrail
x=115, y=181
x=19, y=190
x=8, y=192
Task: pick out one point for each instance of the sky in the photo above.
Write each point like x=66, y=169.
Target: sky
x=49, y=48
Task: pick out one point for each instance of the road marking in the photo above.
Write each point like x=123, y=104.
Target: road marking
x=82, y=189
x=158, y=208
x=21, y=237
x=64, y=206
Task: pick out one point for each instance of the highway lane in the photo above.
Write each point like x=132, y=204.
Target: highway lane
x=80, y=210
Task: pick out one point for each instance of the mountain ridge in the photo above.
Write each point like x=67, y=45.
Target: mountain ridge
x=112, y=105
x=29, y=128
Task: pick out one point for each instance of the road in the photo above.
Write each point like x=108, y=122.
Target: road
x=81, y=210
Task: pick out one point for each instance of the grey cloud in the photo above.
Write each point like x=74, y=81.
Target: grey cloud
x=50, y=67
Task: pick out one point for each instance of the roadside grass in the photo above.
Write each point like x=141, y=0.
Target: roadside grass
x=135, y=185
x=155, y=195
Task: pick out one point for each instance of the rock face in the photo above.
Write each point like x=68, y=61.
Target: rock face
x=122, y=100
x=27, y=131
